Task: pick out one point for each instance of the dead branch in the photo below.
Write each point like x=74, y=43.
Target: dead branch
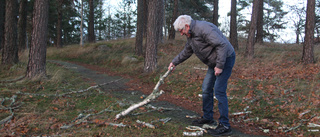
x=146, y=124
x=13, y=100
x=155, y=94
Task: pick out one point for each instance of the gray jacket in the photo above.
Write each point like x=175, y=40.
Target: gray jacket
x=208, y=43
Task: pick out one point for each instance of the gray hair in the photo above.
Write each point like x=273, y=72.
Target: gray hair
x=181, y=21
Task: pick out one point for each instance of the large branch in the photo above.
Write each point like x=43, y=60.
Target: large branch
x=155, y=94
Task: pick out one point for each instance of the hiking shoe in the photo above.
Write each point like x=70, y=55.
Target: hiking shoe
x=221, y=130
x=201, y=121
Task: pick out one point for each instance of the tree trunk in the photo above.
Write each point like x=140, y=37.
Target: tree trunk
x=10, y=48
x=215, y=12
x=308, y=55
x=2, y=20
x=92, y=38
x=259, y=37
x=81, y=25
x=160, y=17
x=139, y=33
x=22, y=25
x=150, y=63
x=37, y=55
x=172, y=32
x=59, y=24
x=233, y=25
x=252, y=29
x=145, y=16
x=297, y=36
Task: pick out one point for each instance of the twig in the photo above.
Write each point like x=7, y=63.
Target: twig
x=146, y=124
x=155, y=94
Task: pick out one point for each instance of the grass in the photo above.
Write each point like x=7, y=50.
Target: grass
x=275, y=86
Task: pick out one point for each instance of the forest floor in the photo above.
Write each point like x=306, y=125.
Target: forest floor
x=123, y=89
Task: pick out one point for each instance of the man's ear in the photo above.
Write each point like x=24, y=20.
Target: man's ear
x=187, y=26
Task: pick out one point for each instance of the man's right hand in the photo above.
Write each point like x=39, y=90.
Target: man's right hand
x=171, y=67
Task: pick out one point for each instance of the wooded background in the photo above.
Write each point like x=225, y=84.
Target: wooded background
x=36, y=24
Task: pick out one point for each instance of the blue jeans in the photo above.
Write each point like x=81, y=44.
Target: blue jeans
x=219, y=83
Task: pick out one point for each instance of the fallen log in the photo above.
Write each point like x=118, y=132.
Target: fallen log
x=155, y=94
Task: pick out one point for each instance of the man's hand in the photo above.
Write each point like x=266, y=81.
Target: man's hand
x=217, y=71
x=171, y=67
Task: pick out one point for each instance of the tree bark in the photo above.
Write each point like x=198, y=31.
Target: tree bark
x=22, y=25
x=37, y=55
x=308, y=46
x=145, y=16
x=92, y=38
x=150, y=63
x=81, y=25
x=259, y=37
x=139, y=33
x=10, y=48
x=215, y=12
x=160, y=17
x=59, y=24
x=252, y=30
x=2, y=20
x=233, y=25
x=172, y=31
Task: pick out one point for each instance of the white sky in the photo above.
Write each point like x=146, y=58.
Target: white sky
x=287, y=35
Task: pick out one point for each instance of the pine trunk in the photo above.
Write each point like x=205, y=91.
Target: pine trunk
x=150, y=63
x=22, y=25
x=260, y=23
x=172, y=31
x=160, y=17
x=92, y=38
x=233, y=25
x=308, y=55
x=252, y=30
x=37, y=55
x=139, y=33
x=59, y=24
x=10, y=48
x=215, y=12
x=2, y=17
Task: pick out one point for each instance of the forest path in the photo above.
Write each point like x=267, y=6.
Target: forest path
x=121, y=91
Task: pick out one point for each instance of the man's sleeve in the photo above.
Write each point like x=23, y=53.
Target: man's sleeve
x=183, y=55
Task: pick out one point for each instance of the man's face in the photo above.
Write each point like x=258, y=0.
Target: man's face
x=185, y=30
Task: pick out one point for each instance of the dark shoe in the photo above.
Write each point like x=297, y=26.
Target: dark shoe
x=201, y=121
x=221, y=130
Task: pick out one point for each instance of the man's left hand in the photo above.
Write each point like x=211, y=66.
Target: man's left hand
x=217, y=71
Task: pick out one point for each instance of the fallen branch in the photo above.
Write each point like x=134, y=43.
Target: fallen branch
x=146, y=124
x=13, y=99
x=155, y=94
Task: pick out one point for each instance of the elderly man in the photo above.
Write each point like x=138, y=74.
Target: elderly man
x=208, y=43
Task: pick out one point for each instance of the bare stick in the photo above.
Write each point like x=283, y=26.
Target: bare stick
x=155, y=94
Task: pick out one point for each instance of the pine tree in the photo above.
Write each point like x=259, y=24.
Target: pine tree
x=37, y=56
x=308, y=46
x=10, y=48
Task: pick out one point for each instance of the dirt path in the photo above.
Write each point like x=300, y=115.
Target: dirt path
x=120, y=90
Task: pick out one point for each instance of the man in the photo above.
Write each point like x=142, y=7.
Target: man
x=208, y=43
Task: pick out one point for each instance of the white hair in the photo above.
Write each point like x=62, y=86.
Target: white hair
x=181, y=21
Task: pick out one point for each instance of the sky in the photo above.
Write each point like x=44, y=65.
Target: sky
x=286, y=36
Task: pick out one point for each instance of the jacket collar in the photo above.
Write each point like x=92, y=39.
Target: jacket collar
x=192, y=24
